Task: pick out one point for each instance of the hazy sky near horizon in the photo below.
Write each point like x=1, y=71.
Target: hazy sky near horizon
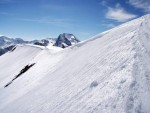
x=38, y=19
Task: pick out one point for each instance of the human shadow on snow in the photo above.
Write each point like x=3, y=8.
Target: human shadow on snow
x=26, y=68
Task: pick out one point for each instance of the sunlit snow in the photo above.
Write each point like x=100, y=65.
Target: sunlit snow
x=110, y=73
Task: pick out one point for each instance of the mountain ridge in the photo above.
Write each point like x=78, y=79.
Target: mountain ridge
x=6, y=44
x=109, y=73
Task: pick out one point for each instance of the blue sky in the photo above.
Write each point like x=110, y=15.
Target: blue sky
x=38, y=19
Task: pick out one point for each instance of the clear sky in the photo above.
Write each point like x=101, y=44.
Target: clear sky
x=38, y=19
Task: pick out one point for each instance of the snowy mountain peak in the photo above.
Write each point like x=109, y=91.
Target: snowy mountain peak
x=65, y=40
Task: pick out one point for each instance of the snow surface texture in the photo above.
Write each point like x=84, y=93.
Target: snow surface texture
x=109, y=73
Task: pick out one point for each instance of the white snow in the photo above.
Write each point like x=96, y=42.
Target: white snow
x=54, y=49
x=110, y=73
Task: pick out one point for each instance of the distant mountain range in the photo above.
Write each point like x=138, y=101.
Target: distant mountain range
x=64, y=40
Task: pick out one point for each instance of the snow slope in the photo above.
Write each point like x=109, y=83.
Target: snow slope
x=110, y=73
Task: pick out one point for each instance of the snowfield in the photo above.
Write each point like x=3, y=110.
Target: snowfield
x=110, y=73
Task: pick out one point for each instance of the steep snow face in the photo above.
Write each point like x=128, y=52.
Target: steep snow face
x=65, y=40
x=110, y=73
x=14, y=60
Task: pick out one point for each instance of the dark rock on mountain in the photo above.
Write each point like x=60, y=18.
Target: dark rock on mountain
x=43, y=42
x=9, y=48
x=64, y=40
